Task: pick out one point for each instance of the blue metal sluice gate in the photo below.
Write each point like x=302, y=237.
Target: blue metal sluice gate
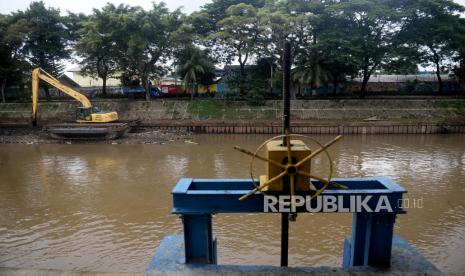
x=369, y=247
x=370, y=244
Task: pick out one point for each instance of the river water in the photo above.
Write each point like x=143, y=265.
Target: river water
x=107, y=207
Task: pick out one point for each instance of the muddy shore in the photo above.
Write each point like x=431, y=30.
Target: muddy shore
x=141, y=135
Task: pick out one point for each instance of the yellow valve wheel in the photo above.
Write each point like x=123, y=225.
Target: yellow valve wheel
x=289, y=168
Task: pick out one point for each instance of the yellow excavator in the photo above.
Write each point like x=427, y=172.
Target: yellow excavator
x=91, y=122
x=87, y=113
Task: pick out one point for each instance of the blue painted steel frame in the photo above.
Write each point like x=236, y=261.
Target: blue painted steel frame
x=370, y=243
x=199, y=235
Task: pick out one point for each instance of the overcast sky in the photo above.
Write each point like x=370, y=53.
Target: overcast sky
x=86, y=6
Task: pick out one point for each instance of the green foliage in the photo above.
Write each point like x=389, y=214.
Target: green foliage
x=237, y=33
x=37, y=37
x=217, y=8
x=99, y=42
x=331, y=40
x=12, y=65
x=194, y=66
x=206, y=109
x=370, y=28
x=434, y=28
x=151, y=39
x=310, y=70
x=74, y=23
x=459, y=69
x=255, y=98
x=251, y=87
x=457, y=104
x=46, y=44
x=127, y=80
x=402, y=61
x=205, y=22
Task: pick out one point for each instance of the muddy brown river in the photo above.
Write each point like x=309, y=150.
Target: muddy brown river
x=107, y=207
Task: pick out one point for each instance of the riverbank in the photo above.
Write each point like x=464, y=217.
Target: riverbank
x=206, y=111
x=165, y=121
x=169, y=132
x=28, y=135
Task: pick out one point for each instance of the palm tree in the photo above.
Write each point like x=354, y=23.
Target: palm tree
x=310, y=70
x=194, y=66
x=191, y=75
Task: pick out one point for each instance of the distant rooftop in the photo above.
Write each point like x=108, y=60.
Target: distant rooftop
x=74, y=69
x=68, y=81
x=404, y=78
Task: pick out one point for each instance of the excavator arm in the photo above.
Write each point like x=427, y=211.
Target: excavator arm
x=39, y=74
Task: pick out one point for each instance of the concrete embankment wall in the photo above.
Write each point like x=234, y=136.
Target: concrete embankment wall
x=346, y=116
x=322, y=129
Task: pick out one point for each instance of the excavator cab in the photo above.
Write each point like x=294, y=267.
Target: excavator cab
x=83, y=113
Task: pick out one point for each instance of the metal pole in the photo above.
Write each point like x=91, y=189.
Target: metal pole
x=284, y=238
x=286, y=88
x=286, y=127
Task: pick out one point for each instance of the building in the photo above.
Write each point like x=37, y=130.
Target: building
x=168, y=80
x=68, y=81
x=420, y=83
x=88, y=81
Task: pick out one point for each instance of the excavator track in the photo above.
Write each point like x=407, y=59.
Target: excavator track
x=89, y=131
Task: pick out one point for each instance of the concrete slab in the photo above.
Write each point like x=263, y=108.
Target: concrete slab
x=169, y=260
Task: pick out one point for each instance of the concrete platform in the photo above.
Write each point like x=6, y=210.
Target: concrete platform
x=169, y=260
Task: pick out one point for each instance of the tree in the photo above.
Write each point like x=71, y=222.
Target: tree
x=334, y=48
x=402, y=61
x=370, y=28
x=432, y=28
x=275, y=29
x=194, y=66
x=206, y=20
x=218, y=8
x=459, y=69
x=74, y=24
x=337, y=62
x=238, y=35
x=152, y=37
x=324, y=54
x=310, y=69
x=459, y=45
x=98, y=43
x=12, y=34
x=205, y=24
x=46, y=44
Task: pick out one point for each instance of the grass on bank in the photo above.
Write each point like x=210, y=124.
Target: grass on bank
x=224, y=109
x=457, y=104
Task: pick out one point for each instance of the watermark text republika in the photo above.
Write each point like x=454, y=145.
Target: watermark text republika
x=329, y=204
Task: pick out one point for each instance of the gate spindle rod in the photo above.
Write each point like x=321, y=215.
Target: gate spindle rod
x=286, y=128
